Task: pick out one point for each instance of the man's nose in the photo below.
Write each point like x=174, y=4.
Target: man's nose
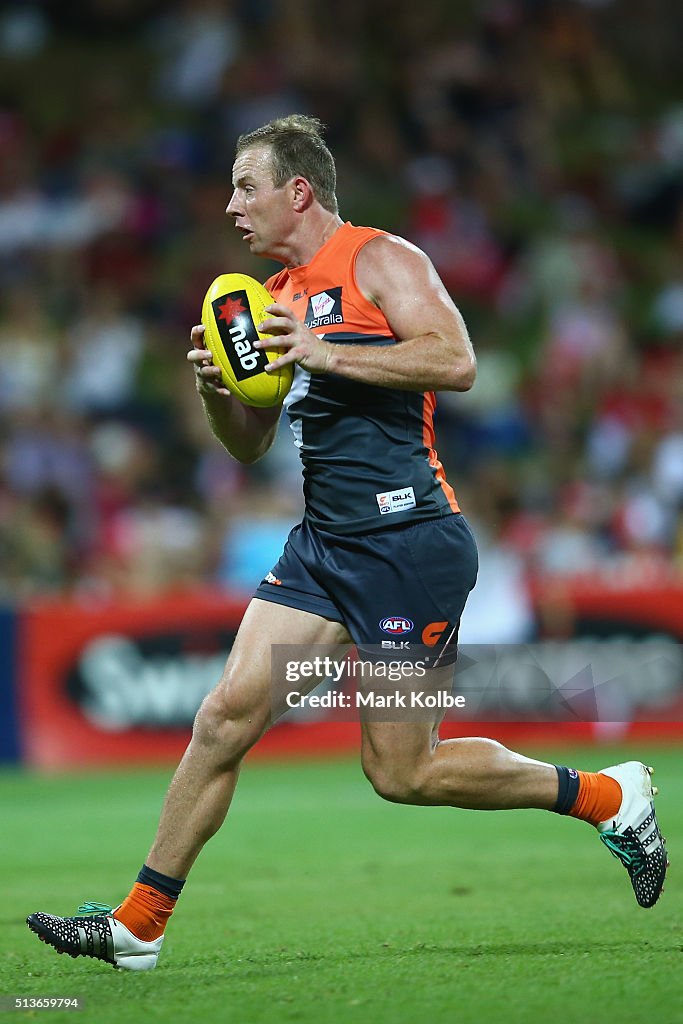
x=232, y=209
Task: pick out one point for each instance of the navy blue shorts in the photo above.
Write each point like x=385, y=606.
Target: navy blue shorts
x=400, y=590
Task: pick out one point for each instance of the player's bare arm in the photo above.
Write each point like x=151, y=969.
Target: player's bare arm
x=245, y=432
x=435, y=352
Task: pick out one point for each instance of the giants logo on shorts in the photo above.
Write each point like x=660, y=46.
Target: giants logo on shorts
x=324, y=309
x=396, y=624
x=432, y=633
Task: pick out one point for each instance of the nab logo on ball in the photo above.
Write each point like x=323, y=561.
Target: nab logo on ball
x=233, y=307
x=396, y=624
x=238, y=334
x=324, y=309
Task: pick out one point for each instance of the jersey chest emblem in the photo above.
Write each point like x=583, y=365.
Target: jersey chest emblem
x=324, y=308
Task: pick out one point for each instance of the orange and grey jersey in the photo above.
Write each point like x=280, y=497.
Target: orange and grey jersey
x=367, y=452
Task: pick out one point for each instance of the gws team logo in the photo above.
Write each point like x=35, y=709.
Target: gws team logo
x=238, y=334
x=325, y=309
x=396, y=624
x=433, y=632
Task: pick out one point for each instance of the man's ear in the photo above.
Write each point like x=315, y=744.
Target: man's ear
x=303, y=194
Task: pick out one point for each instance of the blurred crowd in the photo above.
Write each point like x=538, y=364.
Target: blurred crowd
x=533, y=149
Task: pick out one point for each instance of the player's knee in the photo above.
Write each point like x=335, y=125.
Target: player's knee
x=399, y=784
x=228, y=725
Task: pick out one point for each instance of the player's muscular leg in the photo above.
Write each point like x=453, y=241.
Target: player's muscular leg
x=231, y=719
x=407, y=763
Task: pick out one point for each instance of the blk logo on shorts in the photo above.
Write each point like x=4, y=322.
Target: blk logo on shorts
x=325, y=308
x=396, y=624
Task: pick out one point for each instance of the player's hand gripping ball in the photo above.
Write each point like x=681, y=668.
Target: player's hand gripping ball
x=232, y=307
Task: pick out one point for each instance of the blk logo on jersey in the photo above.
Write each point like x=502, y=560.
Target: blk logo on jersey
x=238, y=333
x=325, y=309
x=396, y=501
x=396, y=624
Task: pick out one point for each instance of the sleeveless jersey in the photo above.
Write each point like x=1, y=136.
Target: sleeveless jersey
x=368, y=452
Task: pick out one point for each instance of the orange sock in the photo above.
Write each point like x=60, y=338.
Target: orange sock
x=145, y=912
x=599, y=798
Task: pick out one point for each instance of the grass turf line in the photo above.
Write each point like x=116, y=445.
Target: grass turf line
x=318, y=902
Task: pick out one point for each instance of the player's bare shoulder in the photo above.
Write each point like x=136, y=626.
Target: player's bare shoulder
x=401, y=280
x=388, y=262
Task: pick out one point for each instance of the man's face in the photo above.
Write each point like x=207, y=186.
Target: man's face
x=262, y=213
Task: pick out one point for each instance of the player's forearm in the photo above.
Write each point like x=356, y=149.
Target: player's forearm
x=246, y=433
x=427, y=363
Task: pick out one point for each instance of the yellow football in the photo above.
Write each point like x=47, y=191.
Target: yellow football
x=233, y=306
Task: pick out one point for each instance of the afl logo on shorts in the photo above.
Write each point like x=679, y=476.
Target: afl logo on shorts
x=396, y=624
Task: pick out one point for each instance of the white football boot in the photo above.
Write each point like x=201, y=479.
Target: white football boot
x=633, y=835
x=98, y=935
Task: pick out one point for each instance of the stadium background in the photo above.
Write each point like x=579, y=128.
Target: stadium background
x=533, y=149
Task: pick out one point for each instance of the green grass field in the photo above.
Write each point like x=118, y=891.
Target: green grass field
x=318, y=902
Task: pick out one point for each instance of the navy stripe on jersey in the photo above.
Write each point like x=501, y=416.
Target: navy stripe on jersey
x=365, y=463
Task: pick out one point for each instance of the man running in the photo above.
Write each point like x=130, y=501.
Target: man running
x=373, y=333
